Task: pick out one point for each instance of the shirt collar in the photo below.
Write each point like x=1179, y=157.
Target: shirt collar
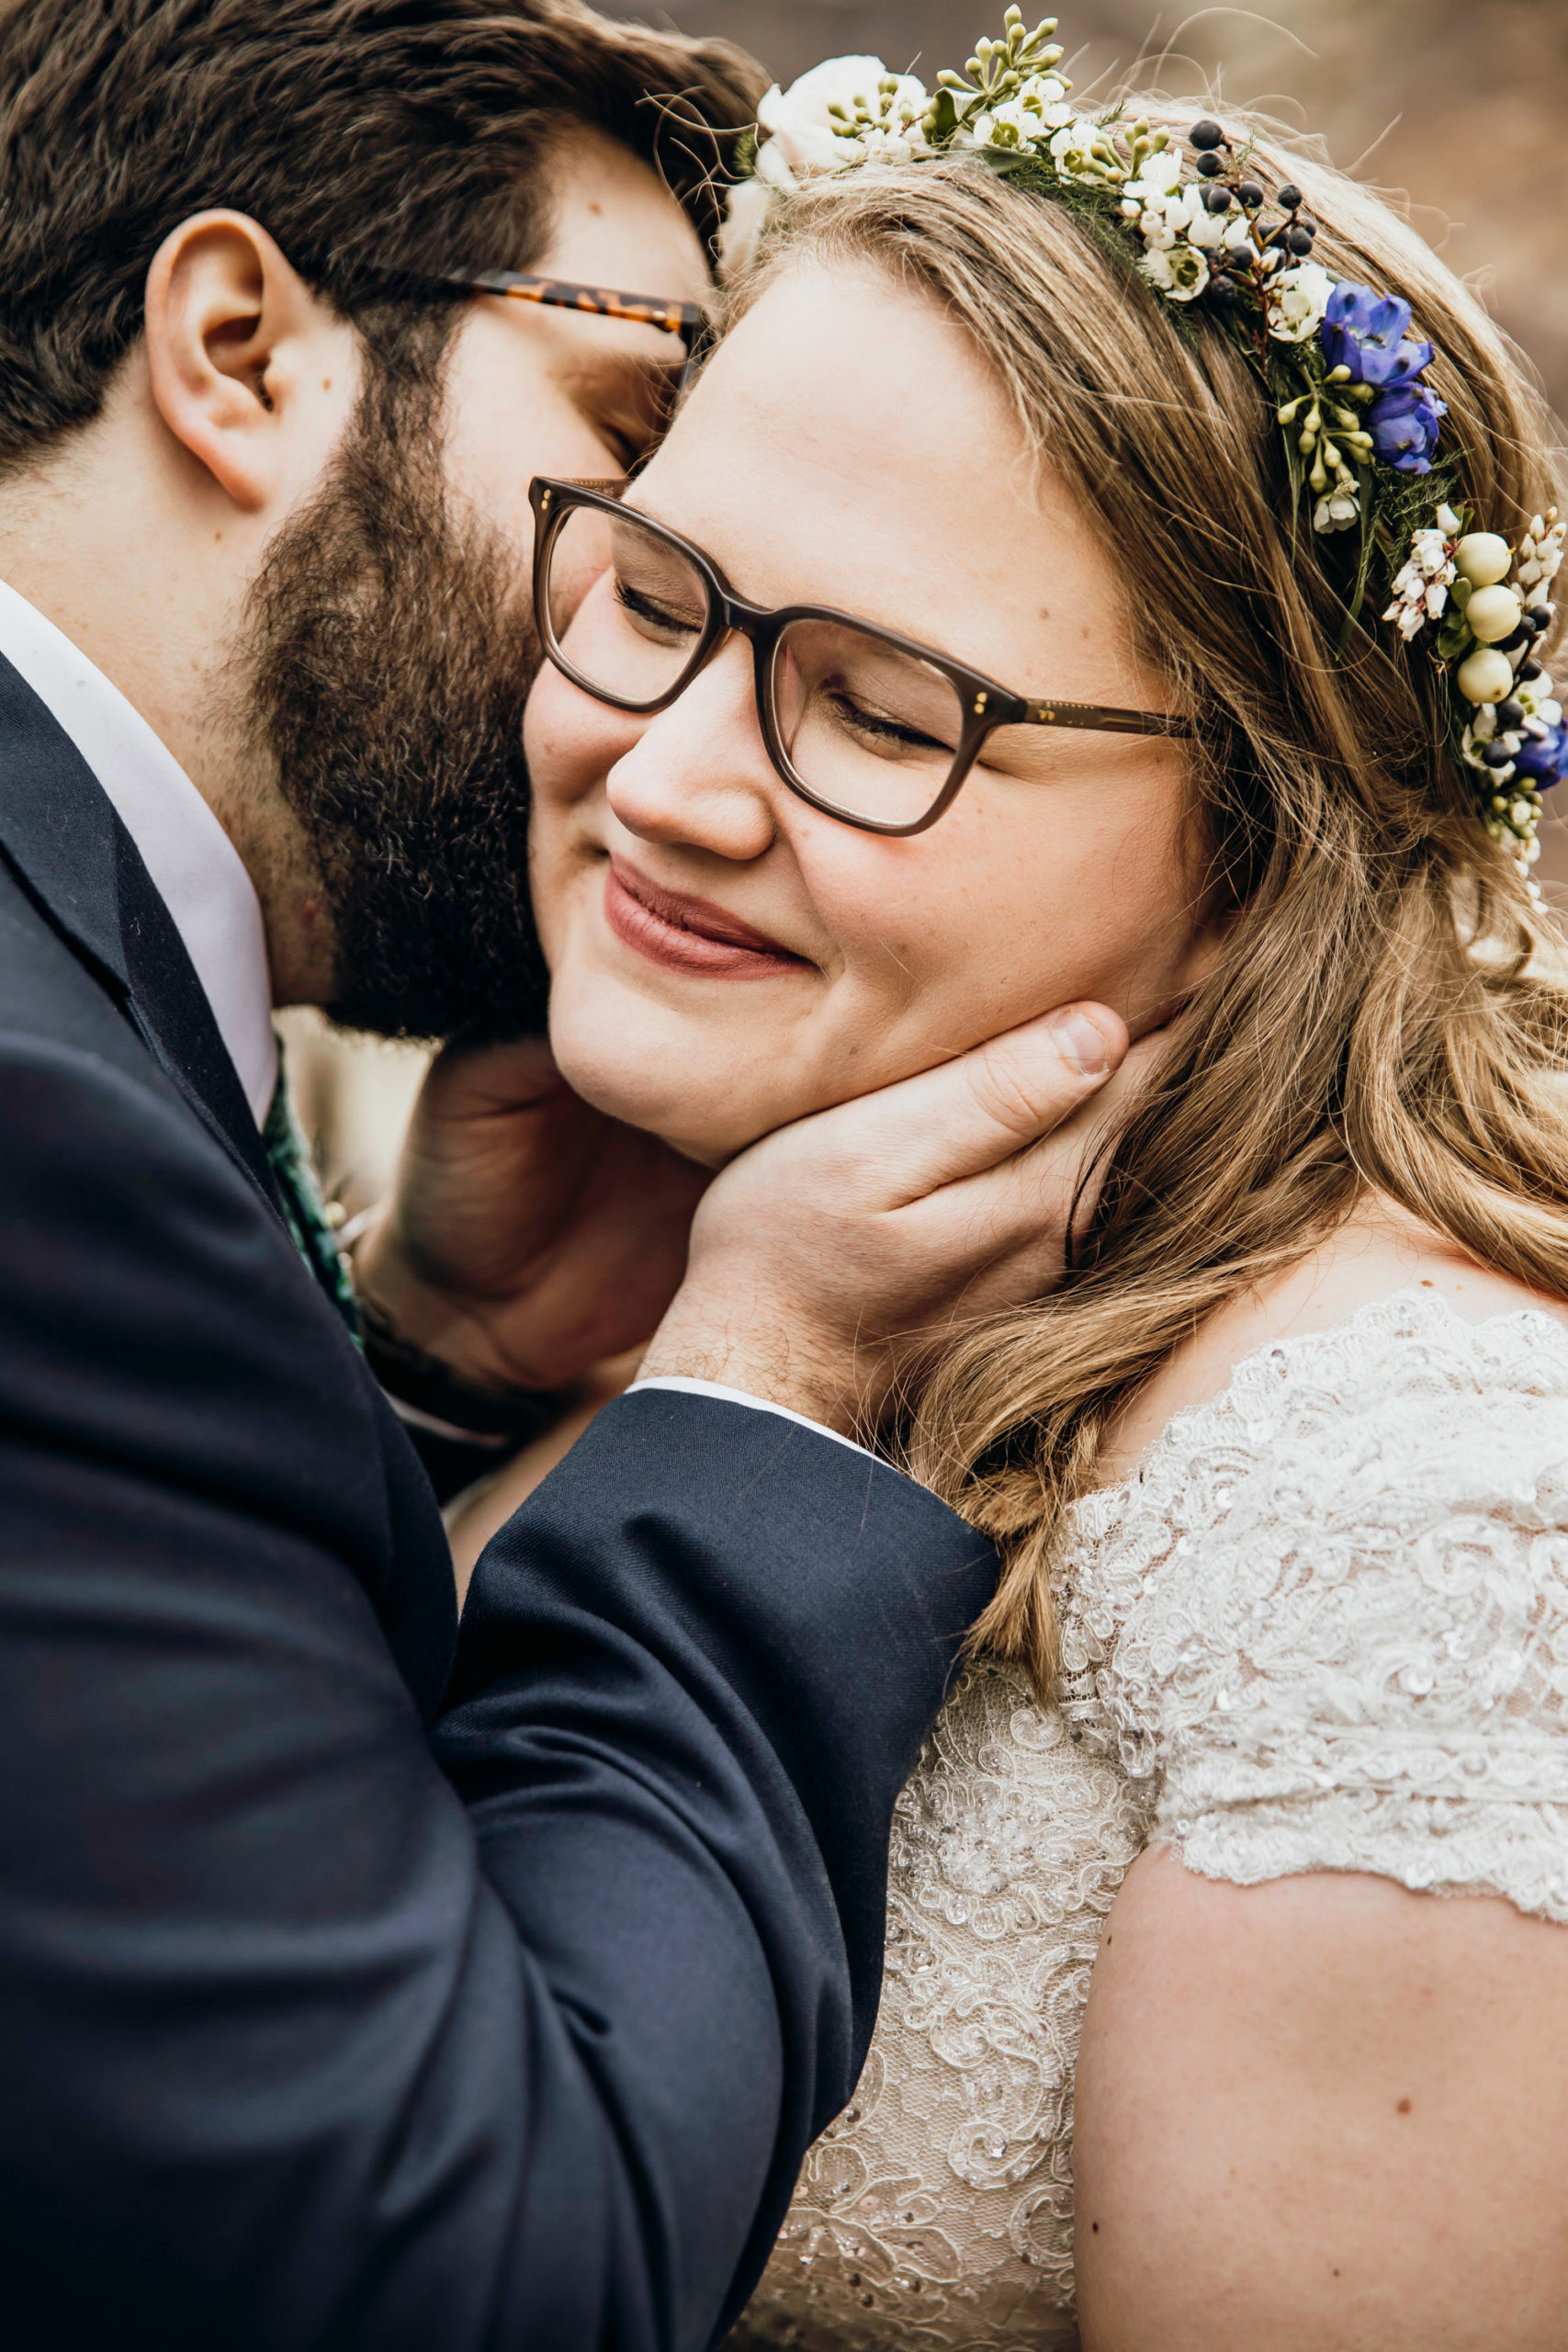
x=196, y=868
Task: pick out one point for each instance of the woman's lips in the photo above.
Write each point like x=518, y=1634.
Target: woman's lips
x=688, y=934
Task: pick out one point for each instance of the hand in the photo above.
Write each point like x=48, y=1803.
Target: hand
x=824, y=1255
x=528, y=1236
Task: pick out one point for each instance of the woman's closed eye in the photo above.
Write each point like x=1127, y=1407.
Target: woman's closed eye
x=880, y=730
x=653, y=616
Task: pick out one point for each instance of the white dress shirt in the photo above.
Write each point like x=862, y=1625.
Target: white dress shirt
x=200, y=876
x=194, y=866
x=684, y=1387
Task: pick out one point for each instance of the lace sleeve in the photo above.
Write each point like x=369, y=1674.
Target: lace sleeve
x=1332, y=1628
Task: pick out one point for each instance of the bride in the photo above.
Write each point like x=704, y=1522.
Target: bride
x=1184, y=2041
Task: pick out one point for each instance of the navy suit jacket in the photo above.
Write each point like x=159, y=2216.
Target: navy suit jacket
x=362, y=1985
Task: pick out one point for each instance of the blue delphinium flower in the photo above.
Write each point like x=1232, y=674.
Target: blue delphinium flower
x=1367, y=334
x=1403, y=425
x=1543, y=758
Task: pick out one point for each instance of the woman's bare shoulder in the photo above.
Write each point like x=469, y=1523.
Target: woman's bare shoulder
x=1378, y=1252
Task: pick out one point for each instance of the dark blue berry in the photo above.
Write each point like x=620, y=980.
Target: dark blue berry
x=1205, y=134
x=1224, y=294
x=1217, y=199
x=1211, y=167
x=1495, y=756
x=1299, y=239
x=1529, y=672
x=1509, y=715
x=1250, y=194
x=1289, y=197
x=1539, y=618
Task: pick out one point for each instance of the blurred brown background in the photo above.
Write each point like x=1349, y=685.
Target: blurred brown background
x=1457, y=108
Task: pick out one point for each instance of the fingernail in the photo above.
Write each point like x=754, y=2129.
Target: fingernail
x=1080, y=1043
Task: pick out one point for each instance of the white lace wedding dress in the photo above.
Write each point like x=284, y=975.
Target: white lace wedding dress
x=1324, y=1627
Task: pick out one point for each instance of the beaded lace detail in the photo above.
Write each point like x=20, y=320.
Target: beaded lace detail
x=1324, y=1627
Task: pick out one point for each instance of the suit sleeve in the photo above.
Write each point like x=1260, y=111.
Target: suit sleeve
x=322, y=2025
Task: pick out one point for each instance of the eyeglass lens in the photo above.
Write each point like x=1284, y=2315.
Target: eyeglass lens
x=869, y=730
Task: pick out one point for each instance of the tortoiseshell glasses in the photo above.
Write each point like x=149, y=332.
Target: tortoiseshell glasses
x=683, y=319
x=866, y=725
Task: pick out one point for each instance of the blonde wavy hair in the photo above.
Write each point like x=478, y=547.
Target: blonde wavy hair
x=1388, y=1013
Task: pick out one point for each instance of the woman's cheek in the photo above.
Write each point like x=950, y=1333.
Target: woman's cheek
x=569, y=740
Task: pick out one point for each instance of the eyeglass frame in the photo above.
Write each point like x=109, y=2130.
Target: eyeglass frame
x=986, y=705
x=683, y=319
x=686, y=321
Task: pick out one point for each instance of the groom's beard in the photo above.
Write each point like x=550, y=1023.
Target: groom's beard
x=389, y=654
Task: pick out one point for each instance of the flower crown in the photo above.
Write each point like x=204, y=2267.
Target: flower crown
x=1337, y=361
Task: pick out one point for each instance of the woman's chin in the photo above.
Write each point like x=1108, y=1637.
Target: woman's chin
x=698, y=1117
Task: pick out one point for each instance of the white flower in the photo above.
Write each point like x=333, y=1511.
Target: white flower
x=1045, y=91
x=1023, y=120
x=774, y=172
x=1072, y=150
x=1336, y=513
x=1012, y=124
x=1297, y=300
x=1409, y=614
x=1047, y=98
x=1180, y=271
x=1156, y=231
x=745, y=216
x=877, y=145
x=806, y=138
x=1429, y=555
x=1196, y=222
x=1421, y=587
x=1158, y=176
x=1540, y=553
x=1536, y=699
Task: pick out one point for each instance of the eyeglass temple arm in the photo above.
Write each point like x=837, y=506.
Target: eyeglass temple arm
x=683, y=319
x=1090, y=716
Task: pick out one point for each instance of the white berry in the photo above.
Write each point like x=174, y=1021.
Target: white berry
x=1482, y=557
x=1487, y=676
x=1493, y=613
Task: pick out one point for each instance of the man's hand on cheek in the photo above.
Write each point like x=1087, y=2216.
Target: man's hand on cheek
x=823, y=1254
x=528, y=1238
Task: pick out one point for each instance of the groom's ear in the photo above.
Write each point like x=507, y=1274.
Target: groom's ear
x=248, y=370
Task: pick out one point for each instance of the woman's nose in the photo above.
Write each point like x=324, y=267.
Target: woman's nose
x=699, y=773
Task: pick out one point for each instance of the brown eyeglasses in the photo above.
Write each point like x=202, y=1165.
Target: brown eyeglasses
x=864, y=724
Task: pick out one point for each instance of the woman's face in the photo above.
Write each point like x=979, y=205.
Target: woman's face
x=725, y=958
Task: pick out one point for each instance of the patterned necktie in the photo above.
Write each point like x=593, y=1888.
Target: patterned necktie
x=302, y=1206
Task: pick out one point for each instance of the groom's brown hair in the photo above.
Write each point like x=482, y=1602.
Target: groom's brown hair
x=379, y=141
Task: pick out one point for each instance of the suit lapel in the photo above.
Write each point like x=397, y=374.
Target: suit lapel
x=66, y=840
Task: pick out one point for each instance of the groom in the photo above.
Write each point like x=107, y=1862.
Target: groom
x=361, y=1985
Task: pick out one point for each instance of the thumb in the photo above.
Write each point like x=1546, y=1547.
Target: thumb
x=980, y=1108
